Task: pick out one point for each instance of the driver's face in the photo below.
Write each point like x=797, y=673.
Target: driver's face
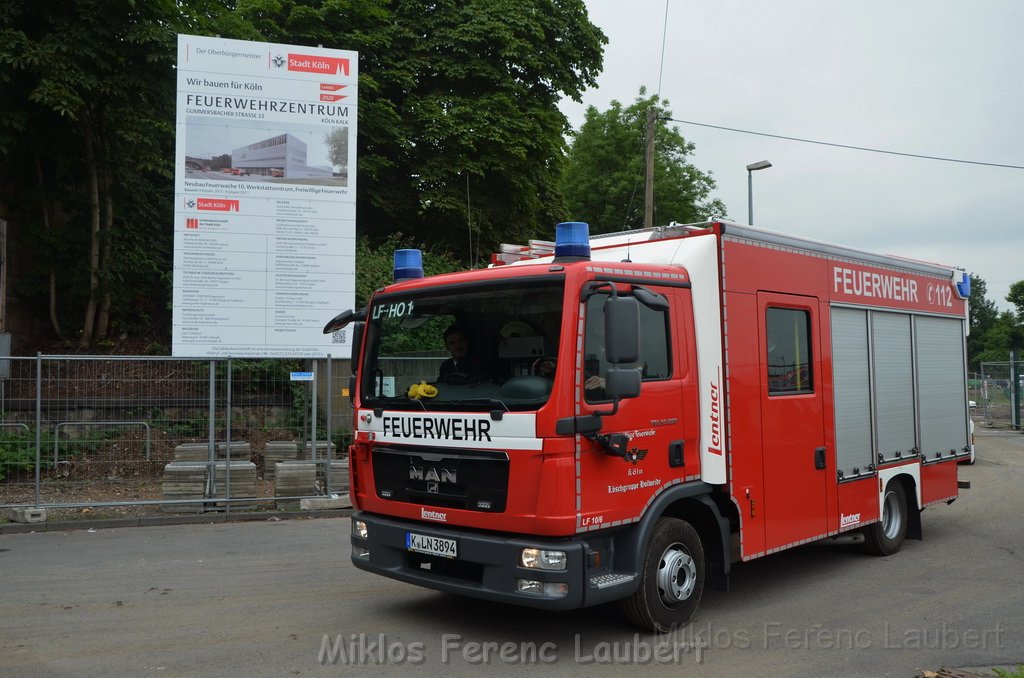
x=457, y=345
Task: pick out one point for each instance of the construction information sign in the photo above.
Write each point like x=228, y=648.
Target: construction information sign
x=265, y=186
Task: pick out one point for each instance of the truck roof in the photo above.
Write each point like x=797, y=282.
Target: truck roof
x=539, y=251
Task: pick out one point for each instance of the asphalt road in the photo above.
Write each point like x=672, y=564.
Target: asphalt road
x=281, y=598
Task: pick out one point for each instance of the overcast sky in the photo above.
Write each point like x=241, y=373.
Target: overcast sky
x=932, y=77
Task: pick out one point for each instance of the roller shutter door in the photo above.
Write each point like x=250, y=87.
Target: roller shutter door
x=851, y=375
x=894, y=385
x=940, y=368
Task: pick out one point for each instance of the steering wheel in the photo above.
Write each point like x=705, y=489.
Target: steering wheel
x=543, y=367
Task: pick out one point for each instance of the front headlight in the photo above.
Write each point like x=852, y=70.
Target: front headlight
x=540, y=559
x=549, y=589
x=360, y=529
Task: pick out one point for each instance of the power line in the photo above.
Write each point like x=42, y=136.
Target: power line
x=855, y=148
x=664, y=35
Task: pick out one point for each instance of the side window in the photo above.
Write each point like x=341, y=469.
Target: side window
x=789, y=351
x=654, y=347
x=655, y=356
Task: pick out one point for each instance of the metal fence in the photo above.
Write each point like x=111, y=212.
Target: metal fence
x=110, y=436
x=996, y=401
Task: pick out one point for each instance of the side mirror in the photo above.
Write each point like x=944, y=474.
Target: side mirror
x=357, y=336
x=621, y=330
x=339, y=321
x=622, y=382
x=344, y=318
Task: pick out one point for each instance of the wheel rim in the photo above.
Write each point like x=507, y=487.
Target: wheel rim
x=677, y=575
x=891, y=518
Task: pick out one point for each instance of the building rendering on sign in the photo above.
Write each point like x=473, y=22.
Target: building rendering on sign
x=281, y=156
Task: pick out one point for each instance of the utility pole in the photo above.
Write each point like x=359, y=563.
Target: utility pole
x=652, y=116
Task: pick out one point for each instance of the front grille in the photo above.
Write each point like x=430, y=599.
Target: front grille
x=475, y=480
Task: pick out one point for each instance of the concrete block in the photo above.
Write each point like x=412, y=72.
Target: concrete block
x=239, y=451
x=184, y=480
x=26, y=515
x=294, y=479
x=278, y=450
x=243, y=481
x=192, y=452
x=339, y=477
x=323, y=450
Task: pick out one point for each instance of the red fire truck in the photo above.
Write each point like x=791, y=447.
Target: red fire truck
x=638, y=411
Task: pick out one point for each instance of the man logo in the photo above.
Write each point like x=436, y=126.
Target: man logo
x=429, y=473
x=279, y=61
x=433, y=488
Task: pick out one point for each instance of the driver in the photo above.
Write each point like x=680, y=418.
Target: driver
x=462, y=360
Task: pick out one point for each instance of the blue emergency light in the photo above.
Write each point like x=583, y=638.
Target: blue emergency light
x=572, y=241
x=408, y=264
x=963, y=286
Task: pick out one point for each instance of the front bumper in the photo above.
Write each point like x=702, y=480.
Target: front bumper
x=487, y=567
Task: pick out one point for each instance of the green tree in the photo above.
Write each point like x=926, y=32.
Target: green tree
x=1016, y=333
x=461, y=141
x=994, y=334
x=995, y=344
x=1016, y=297
x=604, y=179
x=460, y=137
x=983, y=317
x=86, y=140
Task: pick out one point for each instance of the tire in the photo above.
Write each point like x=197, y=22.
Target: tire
x=671, y=580
x=885, y=537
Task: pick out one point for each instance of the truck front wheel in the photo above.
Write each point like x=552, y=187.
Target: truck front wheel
x=671, y=580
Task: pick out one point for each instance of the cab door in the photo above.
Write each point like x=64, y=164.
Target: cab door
x=795, y=458
x=661, y=422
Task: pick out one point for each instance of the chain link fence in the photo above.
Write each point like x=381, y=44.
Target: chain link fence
x=115, y=436
x=996, y=401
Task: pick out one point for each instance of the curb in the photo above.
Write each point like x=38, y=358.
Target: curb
x=153, y=521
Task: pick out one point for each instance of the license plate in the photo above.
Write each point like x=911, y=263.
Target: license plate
x=434, y=546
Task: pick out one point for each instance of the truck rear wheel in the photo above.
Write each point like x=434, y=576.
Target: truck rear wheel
x=886, y=536
x=671, y=580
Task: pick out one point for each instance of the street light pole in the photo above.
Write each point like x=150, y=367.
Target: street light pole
x=751, y=168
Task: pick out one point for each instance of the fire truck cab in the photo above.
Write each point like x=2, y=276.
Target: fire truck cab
x=638, y=411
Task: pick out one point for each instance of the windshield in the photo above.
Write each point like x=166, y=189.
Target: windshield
x=482, y=347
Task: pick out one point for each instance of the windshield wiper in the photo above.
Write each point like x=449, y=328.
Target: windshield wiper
x=391, y=401
x=496, y=414
x=500, y=407
x=478, y=401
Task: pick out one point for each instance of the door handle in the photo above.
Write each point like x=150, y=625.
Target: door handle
x=675, y=453
x=819, y=458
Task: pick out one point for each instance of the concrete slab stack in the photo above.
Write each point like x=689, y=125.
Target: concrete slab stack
x=277, y=451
